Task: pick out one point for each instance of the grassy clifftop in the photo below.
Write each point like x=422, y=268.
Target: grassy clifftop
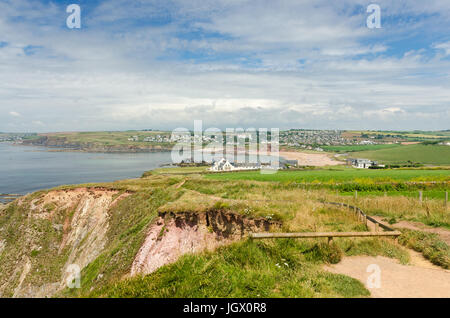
x=102, y=227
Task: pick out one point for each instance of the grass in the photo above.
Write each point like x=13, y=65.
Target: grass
x=424, y=154
x=244, y=269
x=176, y=170
x=416, y=134
x=430, y=194
x=32, y=242
x=281, y=268
x=116, y=139
x=431, y=212
x=333, y=175
x=429, y=244
x=354, y=148
x=128, y=227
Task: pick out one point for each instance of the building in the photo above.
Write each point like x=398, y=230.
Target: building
x=222, y=165
x=133, y=138
x=362, y=163
x=225, y=165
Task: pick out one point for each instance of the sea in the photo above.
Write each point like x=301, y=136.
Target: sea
x=25, y=169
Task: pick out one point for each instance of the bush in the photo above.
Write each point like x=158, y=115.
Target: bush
x=429, y=244
x=327, y=253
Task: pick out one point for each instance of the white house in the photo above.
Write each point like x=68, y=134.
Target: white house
x=222, y=165
x=225, y=165
x=363, y=163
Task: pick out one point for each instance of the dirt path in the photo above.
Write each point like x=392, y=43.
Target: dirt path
x=420, y=280
x=179, y=185
x=444, y=234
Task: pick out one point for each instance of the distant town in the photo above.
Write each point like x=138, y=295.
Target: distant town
x=300, y=139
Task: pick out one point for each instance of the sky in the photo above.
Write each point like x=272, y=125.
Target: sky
x=236, y=63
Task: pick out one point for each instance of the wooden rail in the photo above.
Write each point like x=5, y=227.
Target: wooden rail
x=361, y=216
x=322, y=234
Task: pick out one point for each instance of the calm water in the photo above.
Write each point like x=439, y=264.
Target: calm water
x=25, y=169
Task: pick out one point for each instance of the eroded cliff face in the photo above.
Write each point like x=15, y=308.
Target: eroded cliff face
x=175, y=234
x=56, y=229
x=43, y=235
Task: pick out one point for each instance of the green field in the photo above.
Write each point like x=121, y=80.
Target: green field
x=176, y=170
x=413, y=135
x=428, y=194
x=249, y=268
x=353, y=148
x=338, y=175
x=424, y=154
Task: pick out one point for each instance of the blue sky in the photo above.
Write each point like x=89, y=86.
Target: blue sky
x=236, y=63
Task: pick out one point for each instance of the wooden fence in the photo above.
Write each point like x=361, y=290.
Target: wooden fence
x=389, y=232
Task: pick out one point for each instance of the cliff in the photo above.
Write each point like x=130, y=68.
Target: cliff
x=109, y=232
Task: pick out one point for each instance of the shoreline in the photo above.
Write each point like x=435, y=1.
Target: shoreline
x=111, y=149
x=303, y=158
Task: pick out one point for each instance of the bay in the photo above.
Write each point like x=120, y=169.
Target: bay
x=25, y=169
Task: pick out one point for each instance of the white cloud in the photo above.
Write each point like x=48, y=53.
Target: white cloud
x=15, y=114
x=443, y=46
x=287, y=64
x=38, y=123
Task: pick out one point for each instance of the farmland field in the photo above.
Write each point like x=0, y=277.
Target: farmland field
x=408, y=134
x=424, y=154
x=338, y=175
x=352, y=148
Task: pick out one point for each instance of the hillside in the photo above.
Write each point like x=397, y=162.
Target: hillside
x=424, y=154
x=121, y=141
x=180, y=235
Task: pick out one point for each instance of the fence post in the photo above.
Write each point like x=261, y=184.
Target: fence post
x=446, y=198
x=420, y=196
x=356, y=194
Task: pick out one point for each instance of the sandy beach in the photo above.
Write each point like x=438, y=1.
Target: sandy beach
x=310, y=159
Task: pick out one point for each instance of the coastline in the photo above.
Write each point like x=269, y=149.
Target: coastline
x=95, y=148
x=303, y=158
x=29, y=169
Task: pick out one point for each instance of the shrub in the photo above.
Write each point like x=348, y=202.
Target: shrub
x=327, y=253
x=429, y=244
